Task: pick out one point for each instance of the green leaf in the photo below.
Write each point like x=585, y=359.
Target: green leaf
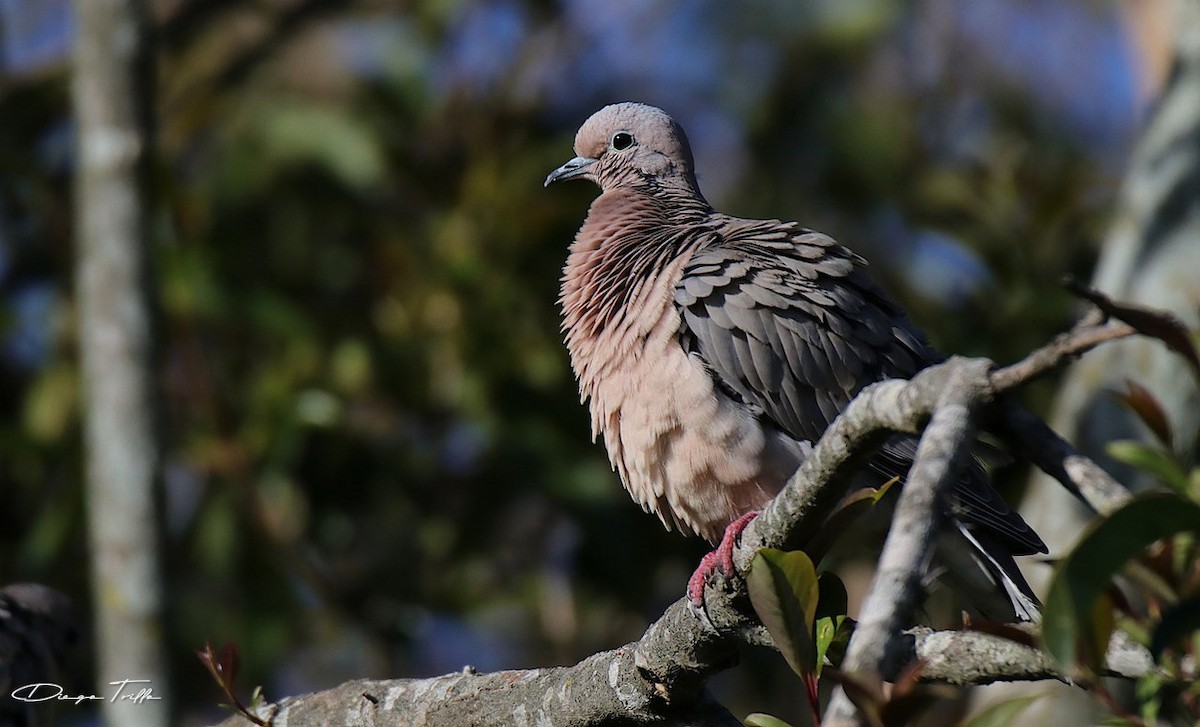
x=832, y=637
x=50, y=403
x=1152, y=460
x=1137, y=630
x=1149, y=696
x=327, y=136
x=1084, y=575
x=784, y=590
x=1003, y=714
x=852, y=507
x=832, y=630
x=1099, y=628
x=1177, y=623
x=758, y=719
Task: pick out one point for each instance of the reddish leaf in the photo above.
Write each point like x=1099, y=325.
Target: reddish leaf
x=223, y=667
x=1119, y=600
x=229, y=661
x=1160, y=558
x=1146, y=406
x=865, y=691
x=209, y=659
x=903, y=710
x=1154, y=323
x=907, y=680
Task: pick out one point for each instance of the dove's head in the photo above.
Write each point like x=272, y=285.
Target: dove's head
x=629, y=143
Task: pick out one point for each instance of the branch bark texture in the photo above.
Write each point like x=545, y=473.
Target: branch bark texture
x=897, y=589
x=603, y=689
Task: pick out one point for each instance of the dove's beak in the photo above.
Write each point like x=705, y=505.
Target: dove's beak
x=577, y=167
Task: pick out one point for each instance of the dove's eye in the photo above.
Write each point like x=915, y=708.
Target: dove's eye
x=622, y=140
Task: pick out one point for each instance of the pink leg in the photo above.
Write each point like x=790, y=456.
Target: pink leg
x=718, y=561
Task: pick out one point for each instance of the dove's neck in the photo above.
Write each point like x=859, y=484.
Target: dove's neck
x=622, y=268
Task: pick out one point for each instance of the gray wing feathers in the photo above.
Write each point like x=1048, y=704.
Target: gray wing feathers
x=789, y=323
x=976, y=503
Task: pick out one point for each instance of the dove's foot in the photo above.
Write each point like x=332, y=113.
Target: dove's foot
x=718, y=561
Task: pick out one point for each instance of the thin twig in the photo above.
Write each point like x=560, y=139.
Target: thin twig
x=1062, y=350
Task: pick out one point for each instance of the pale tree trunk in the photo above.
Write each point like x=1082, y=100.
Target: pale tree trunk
x=1151, y=255
x=110, y=92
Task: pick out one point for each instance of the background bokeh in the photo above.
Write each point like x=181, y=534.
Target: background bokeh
x=376, y=462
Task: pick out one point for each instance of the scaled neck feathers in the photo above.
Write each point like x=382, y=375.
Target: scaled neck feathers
x=613, y=287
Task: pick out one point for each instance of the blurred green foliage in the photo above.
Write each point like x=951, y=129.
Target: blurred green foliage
x=1137, y=571
x=376, y=461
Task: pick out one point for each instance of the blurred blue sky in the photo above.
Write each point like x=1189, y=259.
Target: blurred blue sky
x=710, y=63
x=1071, y=56
x=35, y=34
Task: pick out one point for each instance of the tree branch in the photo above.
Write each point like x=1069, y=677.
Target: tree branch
x=897, y=587
x=661, y=678
x=1057, y=458
x=604, y=690
x=1088, y=333
x=1037, y=441
x=975, y=657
